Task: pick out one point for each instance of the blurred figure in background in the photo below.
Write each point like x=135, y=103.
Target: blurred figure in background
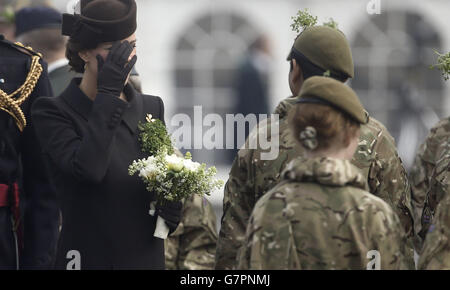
x=7, y=9
x=252, y=79
x=251, y=84
x=40, y=28
x=7, y=27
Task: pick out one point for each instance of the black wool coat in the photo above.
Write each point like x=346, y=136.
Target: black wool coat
x=88, y=146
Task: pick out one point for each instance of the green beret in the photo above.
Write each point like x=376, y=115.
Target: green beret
x=328, y=91
x=327, y=48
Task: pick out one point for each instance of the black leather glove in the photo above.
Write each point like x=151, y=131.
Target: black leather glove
x=113, y=72
x=171, y=213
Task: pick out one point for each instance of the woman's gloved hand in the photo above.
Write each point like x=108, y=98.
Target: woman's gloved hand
x=171, y=213
x=114, y=71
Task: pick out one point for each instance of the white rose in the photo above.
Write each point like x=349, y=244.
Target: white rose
x=149, y=118
x=190, y=165
x=174, y=162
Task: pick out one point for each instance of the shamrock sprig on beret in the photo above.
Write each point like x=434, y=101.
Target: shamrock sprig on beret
x=443, y=64
x=304, y=19
x=331, y=23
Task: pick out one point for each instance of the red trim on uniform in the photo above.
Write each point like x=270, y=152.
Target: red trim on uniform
x=5, y=201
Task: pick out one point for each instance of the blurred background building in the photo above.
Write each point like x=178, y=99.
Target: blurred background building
x=190, y=53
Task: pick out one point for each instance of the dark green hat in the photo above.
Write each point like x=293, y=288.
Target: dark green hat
x=328, y=91
x=327, y=49
x=101, y=21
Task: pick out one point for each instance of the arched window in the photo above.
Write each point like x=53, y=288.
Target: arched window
x=206, y=57
x=392, y=54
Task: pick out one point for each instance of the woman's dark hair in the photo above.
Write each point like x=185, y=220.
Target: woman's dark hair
x=333, y=127
x=72, y=53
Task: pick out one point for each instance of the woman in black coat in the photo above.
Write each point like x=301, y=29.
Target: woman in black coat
x=89, y=137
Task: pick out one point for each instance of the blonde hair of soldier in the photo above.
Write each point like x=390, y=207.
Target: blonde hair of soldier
x=327, y=114
x=11, y=103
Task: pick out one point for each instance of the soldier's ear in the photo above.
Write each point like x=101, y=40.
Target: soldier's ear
x=297, y=74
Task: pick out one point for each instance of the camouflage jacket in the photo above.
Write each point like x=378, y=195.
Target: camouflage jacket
x=436, y=249
x=320, y=216
x=430, y=153
x=251, y=177
x=193, y=244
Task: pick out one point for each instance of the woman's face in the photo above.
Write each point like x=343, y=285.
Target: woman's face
x=90, y=56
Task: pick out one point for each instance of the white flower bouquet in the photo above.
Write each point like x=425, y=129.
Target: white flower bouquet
x=169, y=176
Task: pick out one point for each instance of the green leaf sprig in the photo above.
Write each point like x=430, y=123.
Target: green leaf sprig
x=302, y=20
x=443, y=64
x=154, y=137
x=331, y=23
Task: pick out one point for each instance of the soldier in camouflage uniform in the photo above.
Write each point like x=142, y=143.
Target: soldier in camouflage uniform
x=317, y=49
x=430, y=153
x=320, y=216
x=436, y=249
x=435, y=254
x=193, y=244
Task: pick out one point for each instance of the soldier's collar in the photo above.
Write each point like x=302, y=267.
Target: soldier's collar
x=325, y=171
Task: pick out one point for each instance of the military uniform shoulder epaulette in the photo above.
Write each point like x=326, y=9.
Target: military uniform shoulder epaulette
x=10, y=103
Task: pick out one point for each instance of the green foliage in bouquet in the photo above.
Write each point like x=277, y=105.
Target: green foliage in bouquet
x=302, y=20
x=174, y=178
x=443, y=64
x=154, y=136
x=169, y=176
x=331, y=23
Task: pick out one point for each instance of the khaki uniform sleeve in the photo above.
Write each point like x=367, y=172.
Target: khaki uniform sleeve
x=238, y=202
x=192, y=246
x=171, y=246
